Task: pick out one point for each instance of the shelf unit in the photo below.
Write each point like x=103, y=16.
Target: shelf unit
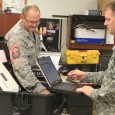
x=71, y=44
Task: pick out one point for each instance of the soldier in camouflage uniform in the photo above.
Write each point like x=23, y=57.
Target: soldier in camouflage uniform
x=104, y=96
x=24, y=48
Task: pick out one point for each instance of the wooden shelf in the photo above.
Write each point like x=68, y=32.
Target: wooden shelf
x=90, y=46
x=72, y=45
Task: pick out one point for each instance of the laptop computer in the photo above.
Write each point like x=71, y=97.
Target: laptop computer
x=7, y=82
x=53, y=78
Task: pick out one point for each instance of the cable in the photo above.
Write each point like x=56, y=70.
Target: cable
x=84, y=26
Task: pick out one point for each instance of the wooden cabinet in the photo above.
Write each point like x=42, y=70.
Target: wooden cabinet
x=102, y=4
x=70, y=42
x=7, y=21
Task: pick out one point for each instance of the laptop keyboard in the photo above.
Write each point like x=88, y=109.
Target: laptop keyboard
x=66, y=86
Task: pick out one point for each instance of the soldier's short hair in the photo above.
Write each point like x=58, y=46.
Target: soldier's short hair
x=28, y=7
x=111, y=6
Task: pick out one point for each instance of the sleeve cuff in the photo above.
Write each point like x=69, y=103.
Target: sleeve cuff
x=94, y=95
x=39, y=88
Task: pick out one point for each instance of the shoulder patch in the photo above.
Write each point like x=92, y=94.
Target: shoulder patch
x=15, y=52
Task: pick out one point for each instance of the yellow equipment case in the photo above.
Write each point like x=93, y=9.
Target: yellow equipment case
x=82, y=56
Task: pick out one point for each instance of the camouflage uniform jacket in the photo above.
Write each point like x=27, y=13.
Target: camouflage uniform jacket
x=105, y=95
x=28, y=51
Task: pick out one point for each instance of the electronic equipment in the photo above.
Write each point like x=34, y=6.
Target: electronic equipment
x=93, y=12
x=7, y=82
x=87, y=24
x=50, y=34
x=53, y=78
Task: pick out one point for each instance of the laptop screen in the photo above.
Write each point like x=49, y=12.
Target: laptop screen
x=49, y=71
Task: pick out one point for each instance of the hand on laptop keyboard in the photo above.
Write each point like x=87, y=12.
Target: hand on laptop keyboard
x=73, y=80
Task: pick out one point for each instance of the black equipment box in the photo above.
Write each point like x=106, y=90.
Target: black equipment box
x=79, y=105
x=25, y=104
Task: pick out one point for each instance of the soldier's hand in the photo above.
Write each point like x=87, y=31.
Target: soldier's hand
x=46, y=92
x=86, y=90
x=77, y=74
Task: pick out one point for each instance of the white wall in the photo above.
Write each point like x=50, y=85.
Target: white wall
x=63, y=7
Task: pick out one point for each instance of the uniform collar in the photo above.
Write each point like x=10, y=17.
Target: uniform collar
x=26, y=33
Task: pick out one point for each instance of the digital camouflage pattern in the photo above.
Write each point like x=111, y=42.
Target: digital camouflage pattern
x=104, y=97
x=24, y=49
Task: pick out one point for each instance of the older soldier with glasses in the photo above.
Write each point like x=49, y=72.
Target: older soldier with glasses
x=24, y=48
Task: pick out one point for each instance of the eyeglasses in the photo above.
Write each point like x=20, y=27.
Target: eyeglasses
x=32, y=22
